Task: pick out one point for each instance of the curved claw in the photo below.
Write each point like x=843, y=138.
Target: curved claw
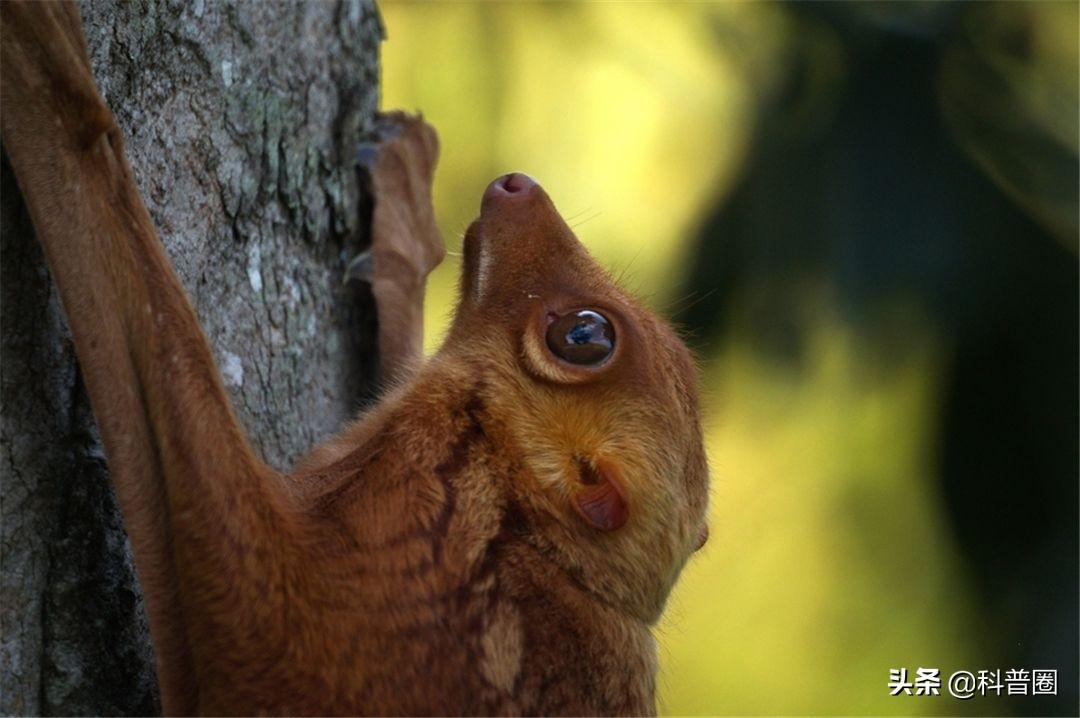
x=366, y=155
x=360, y=268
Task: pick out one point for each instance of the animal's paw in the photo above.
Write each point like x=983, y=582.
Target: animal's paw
x=405, y=242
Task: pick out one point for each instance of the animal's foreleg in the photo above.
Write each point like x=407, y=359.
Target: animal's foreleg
x=405, y=247
x=405, y=242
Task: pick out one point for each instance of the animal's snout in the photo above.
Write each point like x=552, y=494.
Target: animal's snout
x=515, y=185
x=520, y=243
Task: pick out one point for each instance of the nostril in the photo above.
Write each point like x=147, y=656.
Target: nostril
x=516, y=183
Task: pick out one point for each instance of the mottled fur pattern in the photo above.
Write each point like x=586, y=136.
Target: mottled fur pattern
x=429, y=559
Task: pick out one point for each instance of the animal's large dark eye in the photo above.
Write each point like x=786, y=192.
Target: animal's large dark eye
x=581, y=337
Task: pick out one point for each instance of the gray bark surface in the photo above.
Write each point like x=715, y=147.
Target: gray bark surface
x=242, y=125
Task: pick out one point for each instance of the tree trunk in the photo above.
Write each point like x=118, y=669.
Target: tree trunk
x=243, y=123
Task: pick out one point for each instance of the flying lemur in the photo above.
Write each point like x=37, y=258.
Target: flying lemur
x=496, y=536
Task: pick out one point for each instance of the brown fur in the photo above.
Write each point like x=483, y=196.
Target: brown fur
x=429, y=559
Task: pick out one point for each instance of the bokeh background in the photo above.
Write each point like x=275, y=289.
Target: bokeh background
x=865, y=218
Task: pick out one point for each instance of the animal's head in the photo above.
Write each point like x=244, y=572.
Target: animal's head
x=597, y=394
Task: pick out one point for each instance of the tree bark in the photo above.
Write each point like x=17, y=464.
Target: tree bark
x=243, y=124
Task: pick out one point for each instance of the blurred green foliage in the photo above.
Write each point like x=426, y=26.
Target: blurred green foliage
x=1011, y=96
x=830, y=560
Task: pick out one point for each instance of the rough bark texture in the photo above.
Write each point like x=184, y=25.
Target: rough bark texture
x=242, y=123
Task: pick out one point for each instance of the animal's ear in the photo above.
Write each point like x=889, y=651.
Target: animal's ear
x=600, y=499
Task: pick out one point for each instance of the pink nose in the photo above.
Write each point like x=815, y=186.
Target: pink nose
x=515, y=184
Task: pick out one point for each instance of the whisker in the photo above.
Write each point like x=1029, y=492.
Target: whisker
x=587, y=219
x=673, y=308
x=570, y=218
x=625, y=269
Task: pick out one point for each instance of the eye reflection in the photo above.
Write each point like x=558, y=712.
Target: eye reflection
x=581, y=337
